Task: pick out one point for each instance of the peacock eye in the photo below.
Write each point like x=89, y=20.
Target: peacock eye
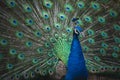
x=61, y=16
x=12, y=3
x=46, y=16
x=80, y=5
x=29, y=43
x=87, y=19
x=9, y=66
x=28, y=8
x=68, y=30
x=4, y=41
x=20, y=34
x=47, y=28
x=101, y=20
x=30, y=21
x=38, y=33
x=48, y=4
x=95, y=6
x=14, y=21
x=13, y=51
x=21, y=55
x=112, y=13
x=67, y=8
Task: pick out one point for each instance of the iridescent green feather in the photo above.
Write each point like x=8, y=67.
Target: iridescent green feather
x=62, y=49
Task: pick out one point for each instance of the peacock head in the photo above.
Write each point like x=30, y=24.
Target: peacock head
x=77, y=28
x=75, y=20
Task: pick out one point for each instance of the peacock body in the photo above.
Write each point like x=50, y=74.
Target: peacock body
x=36, y=34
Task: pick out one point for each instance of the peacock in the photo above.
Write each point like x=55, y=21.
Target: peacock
x=76, y=62
x=37, y=37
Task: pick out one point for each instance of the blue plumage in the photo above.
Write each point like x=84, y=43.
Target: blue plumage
x=74, y=19
x=78, y=28
x=76, y=63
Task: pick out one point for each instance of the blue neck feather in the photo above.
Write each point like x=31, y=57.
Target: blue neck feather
x=76, y=63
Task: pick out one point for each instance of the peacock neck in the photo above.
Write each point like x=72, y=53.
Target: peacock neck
x=76, y=49
x=76, y=61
